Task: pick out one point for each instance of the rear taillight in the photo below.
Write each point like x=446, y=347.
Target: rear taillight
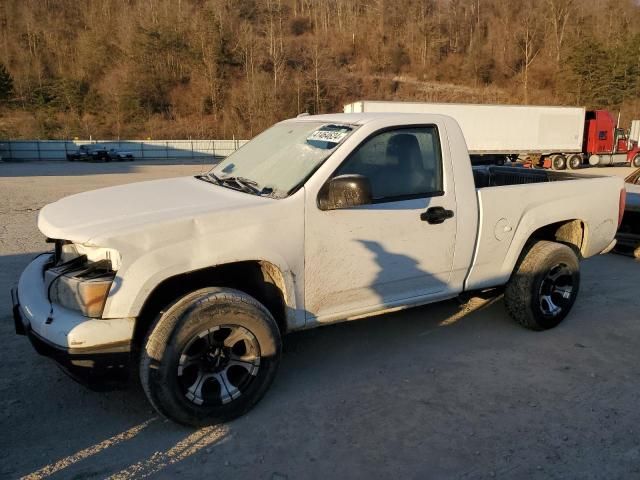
x=621, y=205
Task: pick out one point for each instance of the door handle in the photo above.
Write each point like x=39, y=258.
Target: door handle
x=436, y=215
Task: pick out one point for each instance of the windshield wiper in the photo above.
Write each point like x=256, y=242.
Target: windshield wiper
x=214, y=177
x=243, y=184
x=207, y=178
x=246, y=185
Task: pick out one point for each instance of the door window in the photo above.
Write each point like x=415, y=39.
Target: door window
x=401, y=163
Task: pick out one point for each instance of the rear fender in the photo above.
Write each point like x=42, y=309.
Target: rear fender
x=511, y=215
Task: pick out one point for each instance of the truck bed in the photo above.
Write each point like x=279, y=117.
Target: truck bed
x=514, y=202
x=495, y=176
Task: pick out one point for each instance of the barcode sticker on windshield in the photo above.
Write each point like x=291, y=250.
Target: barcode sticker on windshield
x=332, y=136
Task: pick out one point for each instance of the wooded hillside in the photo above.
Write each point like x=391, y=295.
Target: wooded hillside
x=223, y=68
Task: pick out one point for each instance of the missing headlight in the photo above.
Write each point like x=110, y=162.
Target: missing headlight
x=79, y=284
x=66, y=251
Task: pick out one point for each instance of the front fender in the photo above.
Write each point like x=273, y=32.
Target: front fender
x=162, y=252
x=134, y=284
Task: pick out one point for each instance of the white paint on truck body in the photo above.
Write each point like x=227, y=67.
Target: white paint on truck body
x=500, y=129
x=634, y=132
x=336, y=264
x=360, y=259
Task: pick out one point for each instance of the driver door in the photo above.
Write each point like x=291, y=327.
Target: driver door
x=387, y=253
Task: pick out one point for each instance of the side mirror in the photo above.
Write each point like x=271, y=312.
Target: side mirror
x=345, y=191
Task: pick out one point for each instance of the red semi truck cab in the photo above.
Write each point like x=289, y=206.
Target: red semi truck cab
x=604, y=143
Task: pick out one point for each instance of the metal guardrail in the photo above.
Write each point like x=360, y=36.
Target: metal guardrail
x=26, y=150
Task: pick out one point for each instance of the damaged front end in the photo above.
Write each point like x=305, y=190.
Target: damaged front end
x=58, y=304
x=80, y=277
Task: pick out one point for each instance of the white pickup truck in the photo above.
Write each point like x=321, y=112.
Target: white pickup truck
x=319, y=219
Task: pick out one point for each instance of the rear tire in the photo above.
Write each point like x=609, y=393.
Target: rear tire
x=543, y=286
x=636, y=161
x=210, y=357
x=558, y=162
x=574, y=162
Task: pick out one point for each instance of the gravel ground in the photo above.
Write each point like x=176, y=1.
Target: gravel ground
x=433, y=392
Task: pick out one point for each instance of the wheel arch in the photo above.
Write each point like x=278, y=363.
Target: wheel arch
x=570, y=232
x=261, y=279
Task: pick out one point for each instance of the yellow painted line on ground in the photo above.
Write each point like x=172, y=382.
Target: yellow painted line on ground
x=88, y=452
x=181, y=450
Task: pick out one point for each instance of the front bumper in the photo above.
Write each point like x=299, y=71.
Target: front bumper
x=91, y=350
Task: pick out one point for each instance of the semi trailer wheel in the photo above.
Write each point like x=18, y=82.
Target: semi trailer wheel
x=574, y=162
x=210, y=357
x=558, y=162
x=543, y=286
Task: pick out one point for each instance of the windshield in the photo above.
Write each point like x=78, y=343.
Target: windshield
x=282, y=157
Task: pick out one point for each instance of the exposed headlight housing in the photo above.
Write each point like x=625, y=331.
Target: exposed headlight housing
x=67, y=251
x=81, y=277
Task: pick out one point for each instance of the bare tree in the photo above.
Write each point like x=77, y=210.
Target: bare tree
x=559, y=12
x=528, y=39
x=224, y=67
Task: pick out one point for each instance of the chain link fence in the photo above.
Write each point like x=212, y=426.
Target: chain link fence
x=27, y=150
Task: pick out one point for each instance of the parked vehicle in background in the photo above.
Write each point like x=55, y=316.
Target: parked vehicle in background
x=82, y=153
x=192, y=282
x=95, y=152
x=607, y=144
x=120, y=155
x=551, y=137
x=99, y=153
x=628, y=235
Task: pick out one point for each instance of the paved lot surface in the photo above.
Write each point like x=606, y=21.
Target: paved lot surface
x=433, y=392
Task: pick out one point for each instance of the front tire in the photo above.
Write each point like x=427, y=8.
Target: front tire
x=543, y=286
x=636, y=161
x=210, y=357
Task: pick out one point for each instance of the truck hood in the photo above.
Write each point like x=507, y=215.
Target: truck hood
x=116, y=211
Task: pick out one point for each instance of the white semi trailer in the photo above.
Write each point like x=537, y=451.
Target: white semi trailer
x=505, y=132
x=634, y=133
x=552, y=137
